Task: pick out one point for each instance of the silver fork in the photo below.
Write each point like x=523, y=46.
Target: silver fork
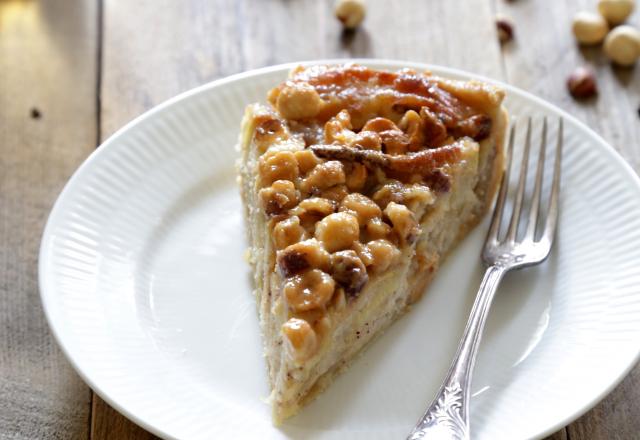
x=447, y=418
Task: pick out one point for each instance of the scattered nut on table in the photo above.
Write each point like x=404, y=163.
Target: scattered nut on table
x=589, y=27
x=350, y=12
x=616, y=11
x=504, y=26
x=622, y=45
x=582, y=83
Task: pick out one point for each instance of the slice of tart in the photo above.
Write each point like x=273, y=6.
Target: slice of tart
x=356, y=184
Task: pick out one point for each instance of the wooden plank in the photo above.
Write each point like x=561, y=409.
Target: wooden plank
x=616, y=417
x=212, y=39
x=186, y=44
x=543, y=55
x=47, y=127
x=539, y=60
x=560, y=435
x=107, y=423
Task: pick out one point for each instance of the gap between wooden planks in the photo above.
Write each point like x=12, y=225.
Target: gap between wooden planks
x=45, y=133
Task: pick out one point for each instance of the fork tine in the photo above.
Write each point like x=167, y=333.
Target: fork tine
x=517, y=207
x=492, y=235
x=535, y=200
x=552, y=215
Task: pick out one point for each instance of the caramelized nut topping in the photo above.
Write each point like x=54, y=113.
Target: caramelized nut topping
x=392, y=191
x=435, y=133
x=380, y=125
x=338, y=231
x=306, y=160
x=476, y=127
x=309, y=290
x=269, y=130
x=317, y=206
x=362, y=206
x=417, y=196
x=301, y=256
x=335, y=193
x=383, y=254
x=323, y=176
x=287, y=232
x=281, y=165
x=369, y=94
x=393, y=140
x=301, y=339
x=376, y=228
x=364, y=253
x=279, y=197
x=349, y=271
x=298, y=100
x=368, y=140
x=412, y=124
x=403, y=221
x=338, y=129
x=313, y=210
x=422, y=162
x=356, y=176
x=377, y=148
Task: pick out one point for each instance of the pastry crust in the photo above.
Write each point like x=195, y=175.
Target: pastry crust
x=356, y=184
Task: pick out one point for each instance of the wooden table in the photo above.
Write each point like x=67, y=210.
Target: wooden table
x=73, y=71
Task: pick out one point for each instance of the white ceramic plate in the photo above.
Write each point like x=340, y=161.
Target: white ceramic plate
x=145, y=287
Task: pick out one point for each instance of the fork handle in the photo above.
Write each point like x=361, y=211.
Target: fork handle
x=447, y=418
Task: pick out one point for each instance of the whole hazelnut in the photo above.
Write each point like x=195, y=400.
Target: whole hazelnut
x=504, y=26
x=589, y=27
x=350, y=12
x=622, y=45
x=615, y=11
x=582, y=83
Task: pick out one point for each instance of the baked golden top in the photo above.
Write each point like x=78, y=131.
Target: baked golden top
x=314, y=95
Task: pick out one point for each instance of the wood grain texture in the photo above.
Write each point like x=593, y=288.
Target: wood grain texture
x=539, y=60
x=154, y=50
x=616, y=417
x=47, y=127
x=560, y=435
x=107, y=423
x=543, y=55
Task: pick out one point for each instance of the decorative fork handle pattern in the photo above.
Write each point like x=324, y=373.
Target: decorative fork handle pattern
x=447, y=418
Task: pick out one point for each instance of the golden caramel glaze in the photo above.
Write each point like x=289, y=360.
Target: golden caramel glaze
x=367, y=94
